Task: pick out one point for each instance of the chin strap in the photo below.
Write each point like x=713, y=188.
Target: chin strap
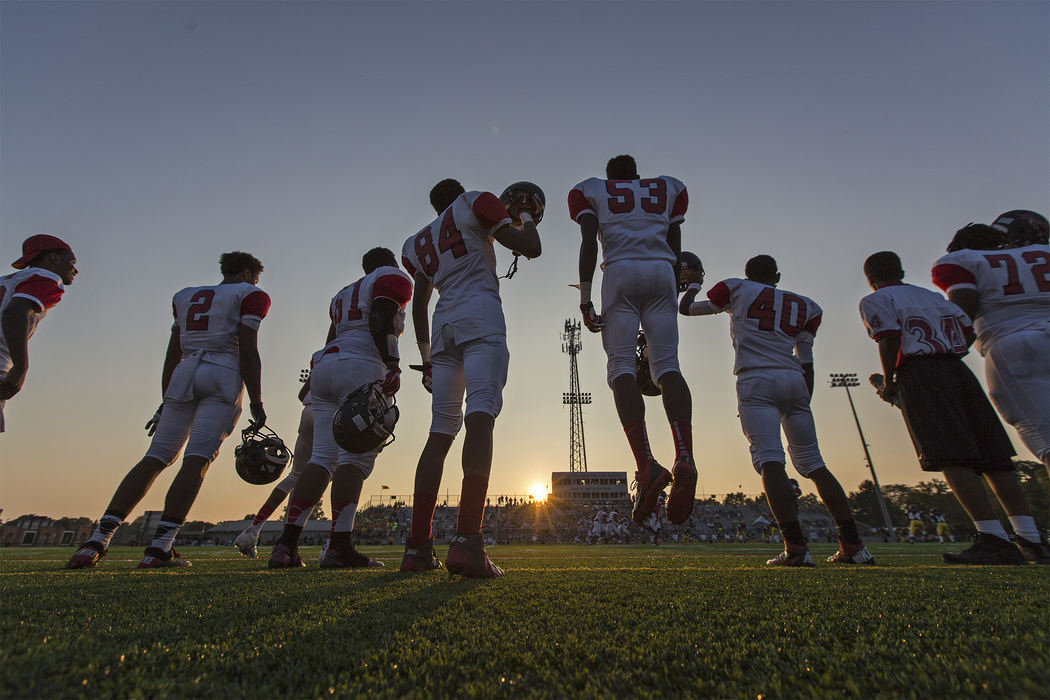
x=512, y=269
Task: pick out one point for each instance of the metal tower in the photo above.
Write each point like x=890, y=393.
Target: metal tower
x=574, y=398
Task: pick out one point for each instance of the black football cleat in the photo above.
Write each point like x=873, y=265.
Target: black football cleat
x=284, y=557
x=650, y=482
x=987, y=549
x=467, y=557
x=420, y=558
x=1035, y=552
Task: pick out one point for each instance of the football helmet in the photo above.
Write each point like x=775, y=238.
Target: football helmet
x=642, y=373
x=261, y=457
x=365, y=421
x=688, y=261
x=977, y=237
x=524, y=196
x=1023, y=227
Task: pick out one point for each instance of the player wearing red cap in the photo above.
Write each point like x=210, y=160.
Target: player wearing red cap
x=46, y=266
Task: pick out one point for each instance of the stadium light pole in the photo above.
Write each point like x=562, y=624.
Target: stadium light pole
x=846, y=380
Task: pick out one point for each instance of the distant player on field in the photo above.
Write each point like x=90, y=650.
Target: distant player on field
x=922, y=337
x=212, y=355
x=916, y=523
x=772, y=331
x=1000, y=276
x=466, y=353
x=638, y=222
x=46, y=266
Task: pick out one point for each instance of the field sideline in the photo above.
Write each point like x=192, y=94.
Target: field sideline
x=672, y=621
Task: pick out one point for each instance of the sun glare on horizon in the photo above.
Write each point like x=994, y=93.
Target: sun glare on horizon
x=538, y=492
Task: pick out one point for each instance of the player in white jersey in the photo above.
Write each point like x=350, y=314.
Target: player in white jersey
x=638, y=222
x=921, y=338
x=466, y=352
x=1007, y=293
x=773, y=331
x=46, y=265
x=367, y=318
x=246, y=542
x=213, y=353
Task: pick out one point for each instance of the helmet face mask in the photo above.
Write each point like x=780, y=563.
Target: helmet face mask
x=365, y=420
x=261, y=457
x=642, y=374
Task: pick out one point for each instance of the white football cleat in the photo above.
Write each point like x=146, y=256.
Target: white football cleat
x=245, y=543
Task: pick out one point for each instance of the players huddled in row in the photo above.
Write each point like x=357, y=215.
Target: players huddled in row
x=349, y=411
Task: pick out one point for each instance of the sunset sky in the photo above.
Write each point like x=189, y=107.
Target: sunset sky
x=154, y=136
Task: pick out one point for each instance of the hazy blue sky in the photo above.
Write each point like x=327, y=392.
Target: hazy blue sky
x=154, y=136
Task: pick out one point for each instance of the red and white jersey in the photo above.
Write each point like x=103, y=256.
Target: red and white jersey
x=767, y=323
x=633, y=215
x=455, y=253
x=351, y=307
x=926, y=322
x=1013, y=288
x=42, y=288
x=207, y=319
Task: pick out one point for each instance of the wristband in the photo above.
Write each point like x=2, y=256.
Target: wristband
x=585, y=293
x=525, y=217
x=694, y=287
x=424, y=351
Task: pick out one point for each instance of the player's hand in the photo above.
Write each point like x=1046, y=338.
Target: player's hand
x=151, y=425
x=690, y=276
x=888, y=392
x=428, y=375
x=530, y=204
x=11, y=384
x=258, y=416
x=591, y=318
x=392, y=381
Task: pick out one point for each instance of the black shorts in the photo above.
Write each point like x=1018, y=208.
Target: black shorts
x=949, y=417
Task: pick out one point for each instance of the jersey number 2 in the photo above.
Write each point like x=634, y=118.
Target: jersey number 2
x=1040, y=272
x=196, y=315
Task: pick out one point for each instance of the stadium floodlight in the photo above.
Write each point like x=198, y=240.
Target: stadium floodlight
x=846, y=380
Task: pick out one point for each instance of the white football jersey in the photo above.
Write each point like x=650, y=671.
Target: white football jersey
x=350, y=308
x=455, y=253
x=767, y=323
x=42, y=288
x=207, y=318
x=1013, y=288
x=926, y=322
x=633, y=215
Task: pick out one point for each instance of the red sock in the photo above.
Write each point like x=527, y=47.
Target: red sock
x=639, y=442
x=337, y=508
x=264, y=513
x=423, y=505
x=298, y=511
x=471, y=506
x=682, y=432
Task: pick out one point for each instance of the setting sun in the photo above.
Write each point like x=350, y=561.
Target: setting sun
x=538, y=492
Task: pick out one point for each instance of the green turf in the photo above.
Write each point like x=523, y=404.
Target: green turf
x=673, y=621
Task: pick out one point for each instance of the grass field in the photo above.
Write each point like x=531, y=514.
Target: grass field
x=673, y=621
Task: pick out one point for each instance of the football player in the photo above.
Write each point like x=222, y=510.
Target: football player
x=464, y=350
x=212, y=354
x=772, y=331
x=944, y=530
x=368, y=317
x=921, y=338
x=1000, y=276
x=46, y=266
x=638, y=222
x=916, y=523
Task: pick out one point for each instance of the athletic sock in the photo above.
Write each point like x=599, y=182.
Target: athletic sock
x=639, y=441
x=299, y=512
x=682, y=432
x=848, y=531
x=991, y=527
x=167, y=529
x=471, y=505
x=337, y=509
x=290, y=536
x=107, y=526
x=261, y=517
x=340, y=540
x=1024, y=526
x=423, y=505
x=792, y=532
x=344, y=522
